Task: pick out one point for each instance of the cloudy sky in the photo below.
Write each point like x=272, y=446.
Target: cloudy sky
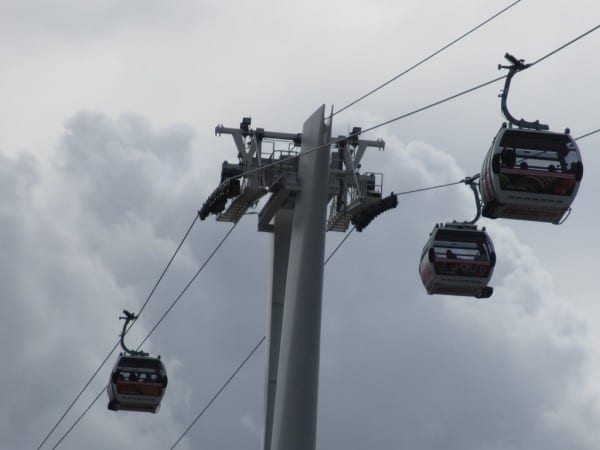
x=107, y=150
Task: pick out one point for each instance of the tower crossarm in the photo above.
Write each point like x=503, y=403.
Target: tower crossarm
x=355, y=191
x=257, y=173
x=262, y=170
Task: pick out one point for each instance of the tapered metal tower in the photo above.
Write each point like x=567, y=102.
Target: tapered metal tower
x=301, y=185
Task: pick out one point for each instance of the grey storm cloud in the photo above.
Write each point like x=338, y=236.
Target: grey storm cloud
x=122, y=167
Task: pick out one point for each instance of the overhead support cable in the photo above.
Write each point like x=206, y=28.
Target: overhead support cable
x=374, y=127
x=437, y=52
x=79, y=394
x=588, y=134
x=221, y=389
x=439, y=186
x=572, y=41
x=74, y=424
x=167, y=311
x=339, y=245
x=86, y=385
x=479, y=86
x=416, y=111
x=437, y=103
x=187, y=286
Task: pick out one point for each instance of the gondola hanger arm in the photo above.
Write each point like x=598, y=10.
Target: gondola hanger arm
x=517, y=66
x=470, y=181
x=128, y=318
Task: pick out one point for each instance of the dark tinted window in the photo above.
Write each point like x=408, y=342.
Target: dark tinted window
x=140, y=363
x=535, y=141
x=448, y=235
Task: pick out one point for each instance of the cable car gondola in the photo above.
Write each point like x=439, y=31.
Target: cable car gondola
x=458, y=259
x=529, y=173
x=137, y=381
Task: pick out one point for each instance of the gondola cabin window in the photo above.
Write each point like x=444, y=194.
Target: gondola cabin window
x=468, y=261
x=530, y=163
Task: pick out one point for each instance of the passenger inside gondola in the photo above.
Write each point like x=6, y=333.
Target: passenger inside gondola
x=539, y=171
x=468, y=261
x=141, y=384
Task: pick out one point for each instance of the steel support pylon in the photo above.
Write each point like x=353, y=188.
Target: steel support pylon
x=296, y=388
x=282, y=233
x=299, y=188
